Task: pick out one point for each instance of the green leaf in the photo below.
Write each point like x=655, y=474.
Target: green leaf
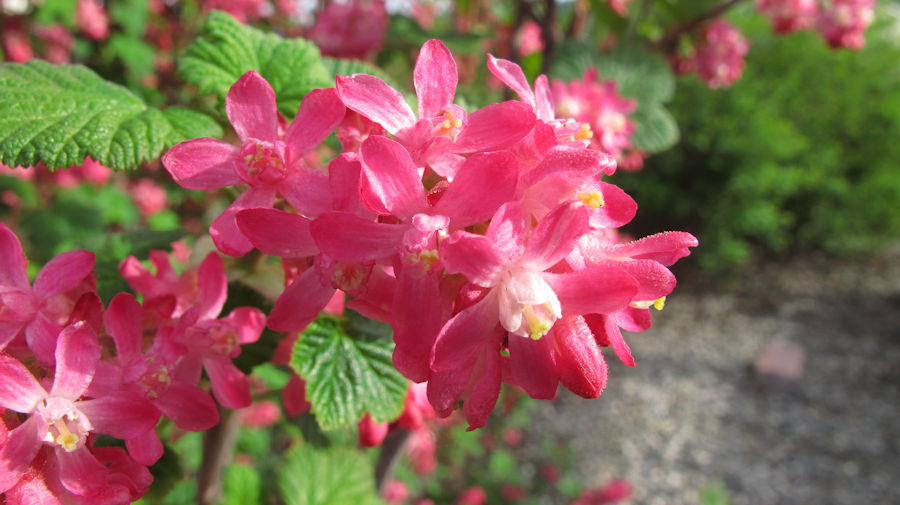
x=60, y=114
x=188, y=124
x=227, y=49
x=242, y=486
x=655, y=129
x=348, y=376
x=338, y=66
x=714, y=494
x=339, y=476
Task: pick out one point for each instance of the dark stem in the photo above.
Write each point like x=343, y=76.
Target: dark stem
x=547, y=23
x=391, y=449
x=218, y=449
x=580, y=11
x=670, y=40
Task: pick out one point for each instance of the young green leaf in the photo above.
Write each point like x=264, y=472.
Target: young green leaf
x=655, y=129
x=347, y=376
x=60, y=114
x=339, y=476
x=227, y=49
x=242, y=486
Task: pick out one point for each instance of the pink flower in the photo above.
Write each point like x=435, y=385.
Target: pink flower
x=396, y=492
x=148, y=196
x=243, y=10
x=39, y=310
x=844, y=24
x=613, y=491
x=260, y=414
x=620, y=6
x=718, y=55
x=353, y=29
x=15, y=42
x=62, y=420
x=92, y=19
x=58, y=42
x=371, y=433
x=474, y=495
x=268, y=164
x=529, y=39
x=167, y=294
x=422, y=451
x=789, y=15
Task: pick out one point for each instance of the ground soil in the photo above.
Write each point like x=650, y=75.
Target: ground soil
x=694, y=412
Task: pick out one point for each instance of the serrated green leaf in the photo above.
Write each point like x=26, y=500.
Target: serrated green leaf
x=338, y=66
x=655, y=129
x=242, y=486
x=60, y=114
x=188, y=124
x=338, y=476
x=227, y=49
x=347, y=377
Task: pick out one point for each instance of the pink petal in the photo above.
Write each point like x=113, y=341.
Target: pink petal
x=512, y=75
x=618, y=208
x=300, y=303
x=224, y=230
x=203, y=163
x=247, y=322
x=229, y=385
x=80, y=472
x=320, y=112
x=374, y=99
x=41, y=335
x=416, y=325
x=277, y=232
x=122, y=415
x=250, y=105
x=634, y=319
x=8, y=331
x=572, y=162
x=482, y=184
x=294, y=397
x=654, y=279
x=533, y=366
x=345, y=237
x=508, y=230
x=123, y=321
x=212, y=286
x=19, y=448
x=543, y=102
x=371, y=434
x=666, y=248
x=77, y=355
x=606, y=329
x=578, y=359
x=188, y=406
x=343, y=179
x=393, y=178
x=435, y=77
x=485, y=388
x=308, y=191
x=146, y=449
x=12, y=260
x=137, y=276
x=63, y=273
x=593, y=290
x=474, y=256
x=462, y=336
x=556, y=235
x=446, y=388
x=497, y=126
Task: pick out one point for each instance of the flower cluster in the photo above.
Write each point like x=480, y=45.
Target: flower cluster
x=599, y=105
x=717, y=56
x=842, y=23
x=482, y=237
x=71, y=369
x=789, y=15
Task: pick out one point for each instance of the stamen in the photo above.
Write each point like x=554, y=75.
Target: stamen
x=594, y=199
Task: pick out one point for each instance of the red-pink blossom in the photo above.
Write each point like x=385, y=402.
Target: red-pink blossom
x=844, y=22
x=613, y=491
x=148, y=196
x=352, y=29
x=396, y=492
x=529, y=39
x=92, y=19
x=371, y=433
x=474, y=495
x=717, y=55
x=789, y=15
x=620, y=6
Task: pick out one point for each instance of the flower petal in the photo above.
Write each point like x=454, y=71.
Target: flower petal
x=277, y=232
x=146, y=449
x=123, y=415
x=77, y=355
x=533, y=366
x=203, y=163
x=80, y=472
x=346, y=237
x=41, y=335
x=212, y=286
x=474, y=256
x=319, y=114
x=250, y=105
x=481, y=185
x=511, y=74
x=556, y=235
x=393, y=178
x=464, y=334
x=247, y=322
x=63, y=273
x=12, y=260
x=19, y=390
x=597, y=289
x=435, y=77
x=307, y=190
x=497, y=126
x=374, y=99
x=485, y=387
x=229, y=385
x=20, y=446
x=416, y=325
x=188, y=406
x=579, y=362
x=123, y=321
x=300, y=303
x=666, y=247
x=224, y=231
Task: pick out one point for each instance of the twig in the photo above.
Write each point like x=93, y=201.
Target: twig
x=218, y=449
x=547, y=23
x=391, y=449
x=668, y=42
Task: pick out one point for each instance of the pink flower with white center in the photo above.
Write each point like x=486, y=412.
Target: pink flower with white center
x=150, y=377
x=718, y=55
x=353, y=29
x=148, y=196
x=92, y=19
x=61, y=419
x=599, y=105
x=789, y=15
x=443, y=132
x=845, y=22
x=202, y=342
x=522, y=303
x=39, y=310
x=269, y=165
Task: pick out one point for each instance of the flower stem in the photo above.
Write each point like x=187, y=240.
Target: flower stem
x=218, y=449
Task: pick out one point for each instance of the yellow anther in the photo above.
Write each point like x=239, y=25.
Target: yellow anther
x=68, y=441
x=538, y=327
x=584, y=133
x=659, y=303
x=446, y=124
x=594, y=199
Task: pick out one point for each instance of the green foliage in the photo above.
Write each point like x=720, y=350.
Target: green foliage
x=799, y=154
x=58, y=115
x=348, y=371
x=227, y=49
x=641, y=75
x=714, y=494
x=242, y=486
x=339, y=476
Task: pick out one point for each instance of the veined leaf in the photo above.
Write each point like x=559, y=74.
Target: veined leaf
x=59, y=114
x=655, y=129
x=339, y=476
x=347, y=376
x=227, y=49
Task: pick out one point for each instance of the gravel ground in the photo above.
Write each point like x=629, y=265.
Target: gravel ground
x=694, y=412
